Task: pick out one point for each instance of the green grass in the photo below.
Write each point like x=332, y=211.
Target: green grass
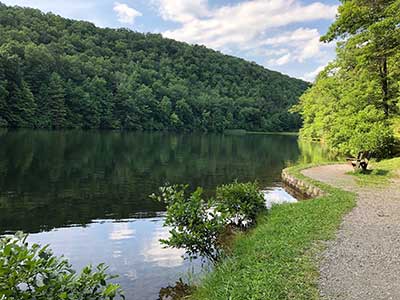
x=380, y=173
x=278, y=259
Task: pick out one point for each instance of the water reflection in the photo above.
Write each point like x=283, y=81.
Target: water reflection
x=53, y=179
x=278, y=196
x=86, y=192
x=155, y=253
x=131, y=248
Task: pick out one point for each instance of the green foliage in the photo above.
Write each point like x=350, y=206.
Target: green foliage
x=196, y=226
x=199, y=225
x=56, y=102
x=355, y=99
x=59, y=73
x=241, y=202
x=33, y=272
x=277, y=260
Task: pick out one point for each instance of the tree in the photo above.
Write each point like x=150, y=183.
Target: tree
x=166, y=110
x=99, y=94
x=372, y=35
x=353, y=104
x=117, y=78
x=339, y=110
x=3, y=98
x=37, y=67
x=20, y=105
x=57, y=107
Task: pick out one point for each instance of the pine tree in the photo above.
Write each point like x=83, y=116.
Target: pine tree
x=3, y=97
x=56, y=94
x=21, y=106
x=18, y=105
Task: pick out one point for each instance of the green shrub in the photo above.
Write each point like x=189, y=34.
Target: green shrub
x=33, y=272
x=241, y=202
x=199, y=225
x=196, y=226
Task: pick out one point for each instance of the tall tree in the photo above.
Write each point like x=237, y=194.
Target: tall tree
x=371, y=32
x=56, y=94
x=3, y=97
x=353, y=103
x=19, y=109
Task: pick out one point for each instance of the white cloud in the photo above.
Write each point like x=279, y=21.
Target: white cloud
x=125, y=13
x=311, y=75
x=182, y=11
x=299, y=45
x=252, y=27
x=236, y=24
x=280, y=61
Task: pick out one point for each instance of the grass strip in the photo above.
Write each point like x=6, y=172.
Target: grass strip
x=279, y=258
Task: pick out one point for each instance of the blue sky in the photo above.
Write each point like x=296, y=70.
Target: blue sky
x=281, y=35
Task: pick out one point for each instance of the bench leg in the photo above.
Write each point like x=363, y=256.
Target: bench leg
x=364, y=166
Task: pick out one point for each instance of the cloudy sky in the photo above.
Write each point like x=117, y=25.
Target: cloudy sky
x=281, y=35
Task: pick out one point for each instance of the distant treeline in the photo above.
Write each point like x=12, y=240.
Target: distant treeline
x=60, y=73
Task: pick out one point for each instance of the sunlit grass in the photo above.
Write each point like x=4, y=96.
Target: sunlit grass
x=379, y=173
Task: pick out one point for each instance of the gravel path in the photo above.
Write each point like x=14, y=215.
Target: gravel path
x=363, y=262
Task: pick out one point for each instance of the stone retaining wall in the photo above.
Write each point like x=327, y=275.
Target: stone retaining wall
x=300, y=186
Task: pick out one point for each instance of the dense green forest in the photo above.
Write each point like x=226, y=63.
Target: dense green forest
x=60, y=73
x=354, y=104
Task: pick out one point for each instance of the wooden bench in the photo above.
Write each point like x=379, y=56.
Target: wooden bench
x=361, y=161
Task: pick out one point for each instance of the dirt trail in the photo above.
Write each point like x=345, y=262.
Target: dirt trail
x=363, y=262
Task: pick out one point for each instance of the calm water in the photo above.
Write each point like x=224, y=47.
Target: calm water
x=86, y=193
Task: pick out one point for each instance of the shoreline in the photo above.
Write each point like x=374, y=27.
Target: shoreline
x=287, y=255
x=279, y=258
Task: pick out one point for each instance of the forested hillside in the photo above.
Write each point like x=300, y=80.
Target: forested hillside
x=60, y=73
x=355, y=102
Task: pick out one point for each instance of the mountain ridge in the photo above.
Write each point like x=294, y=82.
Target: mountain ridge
x=61, y=73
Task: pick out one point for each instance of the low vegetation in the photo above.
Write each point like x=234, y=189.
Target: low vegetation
x=200, y=225
x=240, y=202
x=196, y=227
x=277, y=259
x=33, y=272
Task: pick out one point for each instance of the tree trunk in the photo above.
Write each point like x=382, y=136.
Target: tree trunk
x=385, y=86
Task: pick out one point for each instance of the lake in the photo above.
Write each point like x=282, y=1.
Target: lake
x=86, y=192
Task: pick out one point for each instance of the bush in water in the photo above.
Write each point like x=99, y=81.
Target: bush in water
x=197, y=225
x=33, y=272
x=241, y=202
